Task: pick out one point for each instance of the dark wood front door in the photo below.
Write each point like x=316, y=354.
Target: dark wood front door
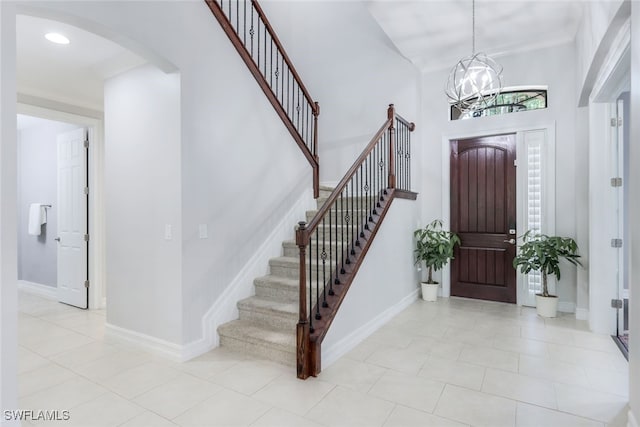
x=483, y=214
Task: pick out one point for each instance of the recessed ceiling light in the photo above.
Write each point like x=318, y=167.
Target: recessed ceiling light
x=56, y=38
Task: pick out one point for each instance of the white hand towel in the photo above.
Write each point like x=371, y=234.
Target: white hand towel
x=37, y=217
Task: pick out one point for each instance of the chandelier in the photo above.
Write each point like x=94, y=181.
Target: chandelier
x=476, y=80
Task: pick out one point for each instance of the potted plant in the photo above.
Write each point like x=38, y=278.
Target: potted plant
x=543, y=253
x=434, y=248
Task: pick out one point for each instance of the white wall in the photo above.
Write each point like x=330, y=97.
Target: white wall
x=602, y=222
x=582, y=159
x=8, y=208
x=352, y=70
x=37, y=182
x=386, y=283
x=235, y=154
x=142, y=195
x=602, y=86
x=554, y=67
x=600, y=22
x=634, y=212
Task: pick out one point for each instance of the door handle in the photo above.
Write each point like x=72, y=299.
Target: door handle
x=512, y=241
x=57, y=239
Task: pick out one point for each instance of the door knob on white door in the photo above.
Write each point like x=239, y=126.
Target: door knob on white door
x=57, y=239
x=512, y=241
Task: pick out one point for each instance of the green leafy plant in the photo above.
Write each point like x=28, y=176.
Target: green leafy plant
x=434, y=246
x=543, y=253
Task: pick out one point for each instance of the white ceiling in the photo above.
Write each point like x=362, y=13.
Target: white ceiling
x=430, y=33
x=72, y=73
x=437, y=33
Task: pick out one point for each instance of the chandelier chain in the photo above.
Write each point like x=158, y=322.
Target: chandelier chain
x=473, y=27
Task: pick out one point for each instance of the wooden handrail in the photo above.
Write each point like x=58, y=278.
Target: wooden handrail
x=310, y=228
x=350, y=219
x=407, y=123
x=310, y=147
x=285, y=56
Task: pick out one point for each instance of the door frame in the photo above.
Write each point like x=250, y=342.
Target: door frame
x=549, y=198
x=93, y=121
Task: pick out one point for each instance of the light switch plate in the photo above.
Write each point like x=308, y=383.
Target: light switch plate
x=203, y=232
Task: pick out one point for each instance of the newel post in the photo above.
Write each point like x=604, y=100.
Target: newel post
x=302, y=330
x=391, y=116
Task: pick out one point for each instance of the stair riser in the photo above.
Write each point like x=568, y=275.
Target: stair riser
x=279, y=293
x=293, y=251
x=275, y=354
x=279, y=321
x=293, y=272
x=340, y=234
x=288, y=294
x=340, y=217
x=348, y=204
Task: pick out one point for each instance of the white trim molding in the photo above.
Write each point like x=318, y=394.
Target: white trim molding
x=582, y=313
x=44, y=291
x=146, y=342
x=225, y=309
x=566, y=307
x=348, y=343
x=632, y=420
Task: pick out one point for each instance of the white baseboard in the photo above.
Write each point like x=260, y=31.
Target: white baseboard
x=147, y=342
x=348, y=343
x=582, y=314
x=566, y=307
x=225, y=309
x=44, y=291
x=632, y=421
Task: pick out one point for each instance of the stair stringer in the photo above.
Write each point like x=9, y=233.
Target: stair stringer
x=380, y=290
x=329, y=313
x=225, y=307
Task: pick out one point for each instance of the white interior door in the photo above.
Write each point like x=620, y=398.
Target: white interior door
x=72, y=218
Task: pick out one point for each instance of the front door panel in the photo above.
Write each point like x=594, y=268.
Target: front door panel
x=483, y=214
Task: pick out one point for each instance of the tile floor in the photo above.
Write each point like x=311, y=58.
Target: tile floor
x=456, y=362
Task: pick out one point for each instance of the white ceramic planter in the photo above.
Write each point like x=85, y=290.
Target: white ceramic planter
x=430, y=291
x=546, y=306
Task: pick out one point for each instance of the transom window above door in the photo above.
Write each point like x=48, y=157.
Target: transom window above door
x=510, y=100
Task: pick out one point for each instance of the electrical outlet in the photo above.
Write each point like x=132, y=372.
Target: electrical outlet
x=203, y=232
x=168, y=235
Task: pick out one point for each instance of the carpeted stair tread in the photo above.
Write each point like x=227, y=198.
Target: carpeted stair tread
x=259, y=334
x=284, y=261
x=277, y=281
x=267, y=324
x=266, y=305
x=278, y=288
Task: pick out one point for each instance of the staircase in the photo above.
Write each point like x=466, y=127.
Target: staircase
x=294, y=306
x=267, y=324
